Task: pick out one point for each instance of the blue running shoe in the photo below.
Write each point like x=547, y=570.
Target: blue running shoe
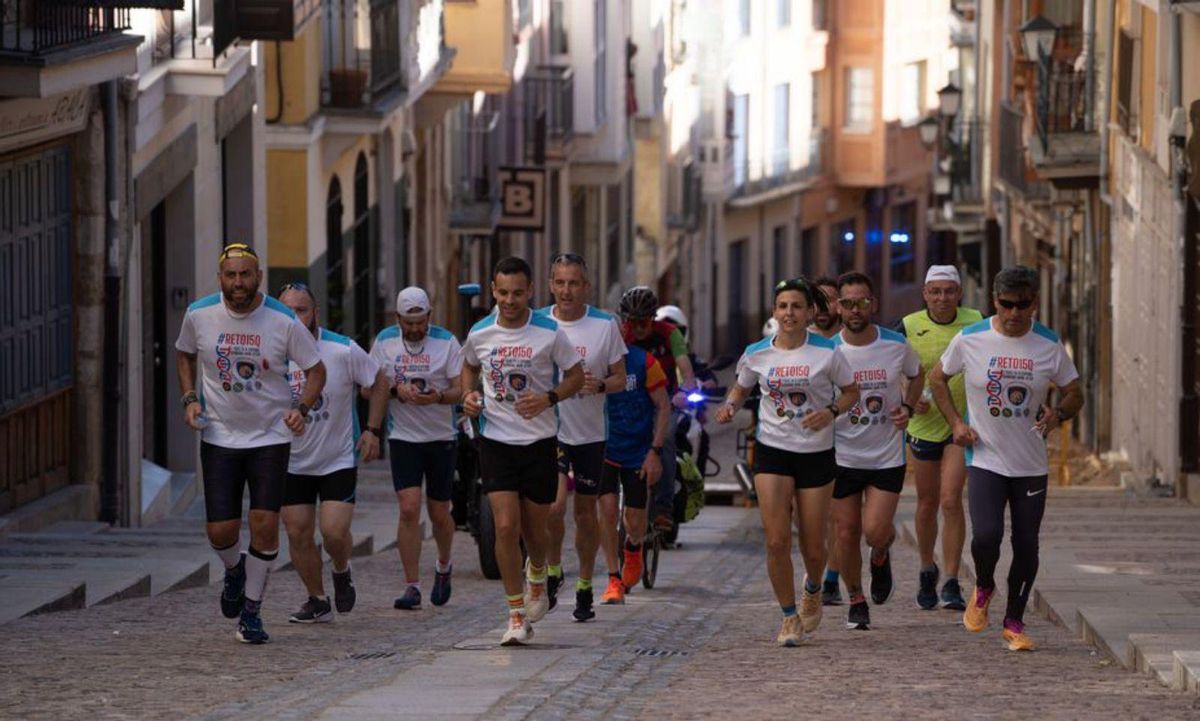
x=952, y=597
x=882, y=583
x=927, y=597
x=233, y=594
x=250, y=629
x=344, y=594
x=410, y=601
x=441, y=588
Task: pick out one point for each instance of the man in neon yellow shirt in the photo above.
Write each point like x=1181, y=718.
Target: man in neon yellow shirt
x=939, y=465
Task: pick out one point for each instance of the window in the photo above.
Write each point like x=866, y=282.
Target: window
x=820, y=15
x=741, y=140
x=780, y=154
x=1125, y=61
x=860, y=98
x=783, y=13
x=843, y=238
x=744, y=16
x=912, y=93
x=901, y=240
x=817, y=80
x=808, y=251
x=558, y=28
x=600, y=36
x=779, y=268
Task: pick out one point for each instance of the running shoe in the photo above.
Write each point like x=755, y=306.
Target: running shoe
x=1015, y=636
x=810, y=609
x=537, y=601
x=314, y=610
x=831, y=593
x=859, y=617
x=631, y=573
x=952, y=597
x=927, y=597
x=882, y=583
x=614, y=595
x=441, y=588
x=410, y=601
x=344, y=594
x=583, y=605
x=233, y=593
x=975, y=618
x=519, y=631
x=250, y=629
x=553, y=583
x=791, y=633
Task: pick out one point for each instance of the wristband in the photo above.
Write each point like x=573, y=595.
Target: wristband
x=189, y=398
x=832, y=408
x=908, y=408
x=553, y=398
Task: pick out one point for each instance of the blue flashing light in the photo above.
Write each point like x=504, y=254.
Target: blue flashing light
x=874, y=236
x=848, y=236
x=695, y=397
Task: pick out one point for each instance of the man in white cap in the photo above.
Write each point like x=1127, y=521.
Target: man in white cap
x=424, y=366
x=939, y=465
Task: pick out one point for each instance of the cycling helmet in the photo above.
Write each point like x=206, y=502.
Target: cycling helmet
x=638, y=302
x=770, y=328
x=673, y=314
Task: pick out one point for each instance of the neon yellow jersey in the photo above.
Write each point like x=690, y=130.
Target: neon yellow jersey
x=930, y=338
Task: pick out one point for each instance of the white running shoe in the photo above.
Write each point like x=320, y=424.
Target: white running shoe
x=537, y=601
x=519, y=631
x=810, y=609
x=790, y=634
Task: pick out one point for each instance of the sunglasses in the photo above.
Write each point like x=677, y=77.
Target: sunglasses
x=1014, y=304
x=295, y=285
x=237, y=250
x=794, y=284
x=852, y=303
x=568, y=258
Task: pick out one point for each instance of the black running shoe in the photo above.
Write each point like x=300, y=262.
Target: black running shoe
x=233, y=593
x=583, y=605
x=831, y=593
x=553, y=583
x=441, y=588
x=250, y=629
x=344, y=594
x=314, y=610
x=411, y=600
x=927, y=597
x=859, y=618
x=881, y=581
x=952, y=597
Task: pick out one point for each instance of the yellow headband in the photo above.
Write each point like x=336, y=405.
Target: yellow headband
x=236, y=250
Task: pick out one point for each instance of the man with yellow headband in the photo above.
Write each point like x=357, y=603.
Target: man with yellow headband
x=939, y=465
x=238, y=343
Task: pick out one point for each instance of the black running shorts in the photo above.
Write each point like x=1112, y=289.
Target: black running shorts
x=630, y=480
x=302, y=490
x=855, y=480
x=530, y=471
x=587, y=461
x=924, y=450
x=432, y=461
x=227, y=471
x=808, y=470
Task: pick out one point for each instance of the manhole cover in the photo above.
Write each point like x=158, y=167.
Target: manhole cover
x=371, y=656
x=533, y=646
x=657, y=652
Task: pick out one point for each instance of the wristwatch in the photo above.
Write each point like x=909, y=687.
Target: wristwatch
x=553, y=397
x=832, y=408
x=374, y=431
x=303, y=409
x=658, y=450
x=189, y=398
x=908, y=408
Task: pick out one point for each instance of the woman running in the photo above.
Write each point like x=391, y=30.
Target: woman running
x=1009, y=363
x=798, y=373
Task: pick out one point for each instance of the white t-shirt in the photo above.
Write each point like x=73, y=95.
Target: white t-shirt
x=793, y=383
x=431, y=365
x=331, y=429
x=1007, y=381
x=242, y=362
x=512, y=360
x=865, y=436
x=597, y=339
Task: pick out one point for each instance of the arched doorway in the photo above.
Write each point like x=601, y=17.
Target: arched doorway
x=335, y=269
x=363, y=279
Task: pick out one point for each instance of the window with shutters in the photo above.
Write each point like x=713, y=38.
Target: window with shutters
x=1125, y=63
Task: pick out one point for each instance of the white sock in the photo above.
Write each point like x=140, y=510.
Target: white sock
x=443, y=568
x=415, y=584
x=342, y=570
x=230, y=555
x=258, y=564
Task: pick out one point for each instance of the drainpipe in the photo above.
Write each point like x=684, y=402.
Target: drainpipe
x=1106, y=85
x=110, y=487
x=1089, y=52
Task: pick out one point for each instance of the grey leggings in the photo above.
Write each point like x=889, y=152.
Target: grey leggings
x=987, y=495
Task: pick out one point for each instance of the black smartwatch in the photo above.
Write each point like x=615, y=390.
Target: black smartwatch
x=1062, y=415
x=303, y=409
x=553, y=397
x=658, y=450
x=189, y=398
x=832, y=408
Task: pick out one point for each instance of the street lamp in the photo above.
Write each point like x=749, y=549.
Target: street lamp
x=1037, y=37
x=949, y=100
x=929, y=128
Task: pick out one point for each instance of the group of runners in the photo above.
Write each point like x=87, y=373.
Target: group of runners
x=570, y=395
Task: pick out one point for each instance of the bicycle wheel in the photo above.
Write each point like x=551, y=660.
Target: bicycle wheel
x=650, y=549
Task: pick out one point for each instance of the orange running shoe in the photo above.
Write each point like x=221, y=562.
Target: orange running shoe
x=1015, y=636
x=632, y=572
x=975, y=618
x=614, y=595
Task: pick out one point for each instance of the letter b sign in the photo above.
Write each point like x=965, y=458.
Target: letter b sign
x=523, y=198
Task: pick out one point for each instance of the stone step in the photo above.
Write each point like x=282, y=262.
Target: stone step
x=22, y=599
x=165, y=574
x=83, y=527
x=1154, y=653
x=1187, y=671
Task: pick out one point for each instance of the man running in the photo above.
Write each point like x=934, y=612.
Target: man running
x=581, y=427
x=869, y=442
x=663, y=341
x=638, y=418
x=1008, y=362
x=423, y=363
x=240, y=342
x=322, y=463
x=518, y=354
x=828, y=323
x=938, y=465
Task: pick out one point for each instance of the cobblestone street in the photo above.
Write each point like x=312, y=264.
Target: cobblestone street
x=700, y=645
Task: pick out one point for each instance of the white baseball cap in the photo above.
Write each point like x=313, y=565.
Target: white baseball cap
x=942, y=272
x=412, y=302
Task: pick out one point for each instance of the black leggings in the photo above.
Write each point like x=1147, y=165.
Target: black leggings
x=987, y=494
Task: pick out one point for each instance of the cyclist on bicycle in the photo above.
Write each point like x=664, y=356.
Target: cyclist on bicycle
x=638, y=418
x=673, y=314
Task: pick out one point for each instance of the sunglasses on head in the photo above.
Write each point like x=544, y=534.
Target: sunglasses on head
x=794, y=284
x=570, y=258
x=294, y=285
x=1014, y=304
x=237, y=250
x=852, y=303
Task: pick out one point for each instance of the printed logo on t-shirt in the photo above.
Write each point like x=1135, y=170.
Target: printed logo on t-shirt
x=1009, y=379
x=238, y=358
x=319, y=411
x=508, y=369
x=788, y=389
x=871, y=406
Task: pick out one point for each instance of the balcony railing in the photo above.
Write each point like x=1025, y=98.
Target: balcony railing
x=32, y=28
x=1061, y=102
x=761, y=175
x=686, y=215
x=1013, y=170
x=549, y=110
x=474, y=164
x=361, y=51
